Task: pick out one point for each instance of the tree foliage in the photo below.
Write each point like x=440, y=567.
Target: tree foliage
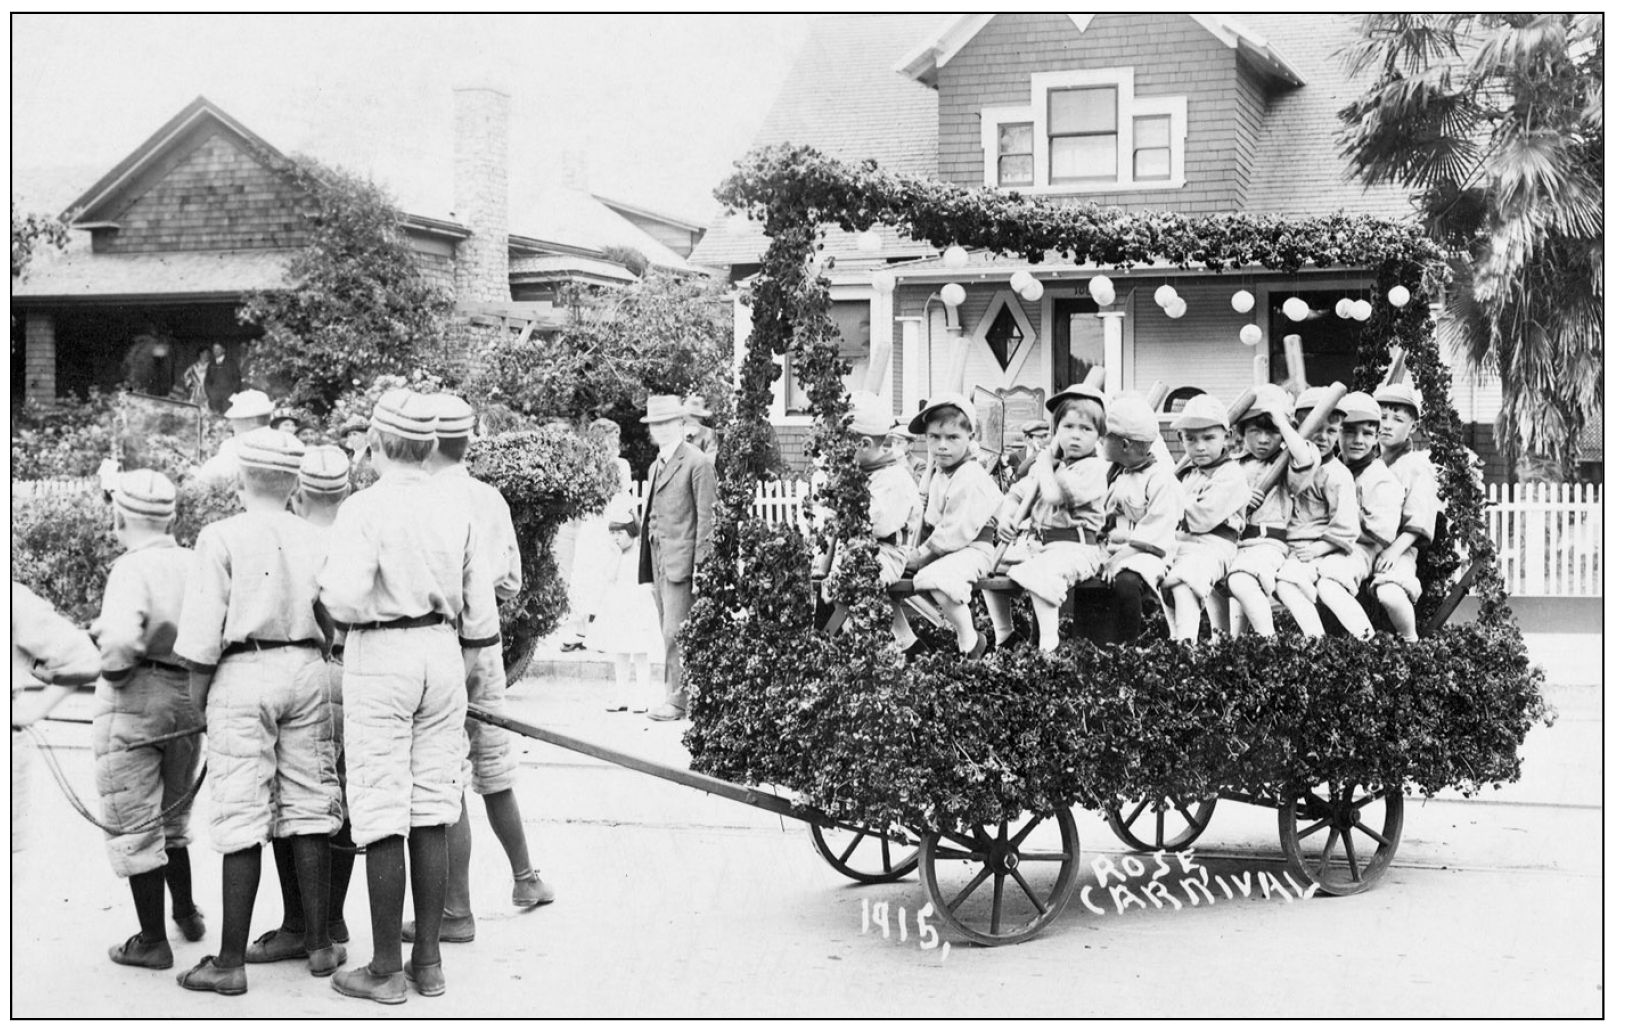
x=357, y=305
x=29, y=232
x=1496, y=122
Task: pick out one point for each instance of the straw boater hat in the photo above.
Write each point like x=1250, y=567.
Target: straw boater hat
x=325, y=470
x=144, y=493
x=250, y=403
x=1202, y=411
x=1131, y=417
x=1268, y=398
x=918, y=424
x=405, y=413
x=354, y=424
x=1077, y=391
x=661, y=407
x=1400, y=394
x=901, y=429
x=270, y=449
x=454, y=418
x=871, y=415
x=1358, y=407
x=696, y=407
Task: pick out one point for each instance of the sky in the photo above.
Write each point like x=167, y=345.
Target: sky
x=657, y=107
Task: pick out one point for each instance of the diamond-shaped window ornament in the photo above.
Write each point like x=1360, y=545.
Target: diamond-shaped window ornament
x=1004, y=337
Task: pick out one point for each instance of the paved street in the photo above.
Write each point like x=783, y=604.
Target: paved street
x=675, y=903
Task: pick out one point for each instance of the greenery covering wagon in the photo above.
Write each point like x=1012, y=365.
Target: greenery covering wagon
x=981, y=761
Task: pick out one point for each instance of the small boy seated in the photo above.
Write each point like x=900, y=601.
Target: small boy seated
x=1263, y=546
x=961, y=499
x=1396, y=569
x=1216, y=495
x=1068, y=488
x=1145, y=504
x=1323, y=519
x=1379, y=503
x=895, y=502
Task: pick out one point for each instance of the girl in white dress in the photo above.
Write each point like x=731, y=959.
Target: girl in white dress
x=625, y=624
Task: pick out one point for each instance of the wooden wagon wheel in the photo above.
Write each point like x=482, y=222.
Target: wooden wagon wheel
x=1160, y=823
x=999, y=884
x=865, y=854
x=1340, y=836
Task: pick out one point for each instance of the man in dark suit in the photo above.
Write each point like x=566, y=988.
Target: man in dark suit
x=221, y=379
x=677, y=534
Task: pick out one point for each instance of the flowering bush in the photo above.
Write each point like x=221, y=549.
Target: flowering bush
x=61, y=440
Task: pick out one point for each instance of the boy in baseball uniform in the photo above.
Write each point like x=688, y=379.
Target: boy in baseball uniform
x=1145, y=504
x=1396, y=568
x=1216, y=496
x=1264, y=544
x=1379, y=506
x=1323, y=519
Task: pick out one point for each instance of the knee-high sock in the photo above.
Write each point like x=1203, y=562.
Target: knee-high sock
x=1394, y=599
x=428, y=846
x=1302, y=607
x=178, y=875
x=147, y=889
x=386, y=891
x=239, y=881
x=309, y=855
x=503, y=811
x=288, y=880
x=1127, y=607
x=1000, y=614
x=460, y=843
x=341, y=862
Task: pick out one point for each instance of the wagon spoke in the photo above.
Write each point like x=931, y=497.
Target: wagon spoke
x=1158, y=828
x=1189, y=817
x=995, y=911
x=945, y=853
x=858, y=838
x=1351, y=855
x=1044, y=855
x=1328, y=850
x=1319, y=826
x=961, y=897
x=887, y=857
x=1034, y=822
x=1023, y=883
x=1136, y=811
x=1367, y=799
x=962, y=839
x=1373, y=834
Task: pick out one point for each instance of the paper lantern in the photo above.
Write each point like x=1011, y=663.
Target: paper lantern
x=1020, y=280
x=882, y=281
x=955, y=257
x=868, y=241
x=1399, y=296
x=1295, y=309
x=1176, y=308
x=1033, y=291
x=1102, y=290
x=953, y=295
x=1250, y=335
x=1164, y=294
x=1243, y=301
x=1343, y=308
x=1361, y=309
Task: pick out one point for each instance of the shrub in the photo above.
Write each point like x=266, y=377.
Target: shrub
x=69, y=439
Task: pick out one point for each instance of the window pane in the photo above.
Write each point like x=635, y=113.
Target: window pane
x=1152, y=132
x=1152, y=164
x=1017, y=171
x=1017, y=139
x=1082, y=157
x=853, y=321
x=1084, y=110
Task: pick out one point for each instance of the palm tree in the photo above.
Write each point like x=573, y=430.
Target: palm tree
x=1496, y=122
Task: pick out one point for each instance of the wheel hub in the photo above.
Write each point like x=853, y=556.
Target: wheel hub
x=1002, y=858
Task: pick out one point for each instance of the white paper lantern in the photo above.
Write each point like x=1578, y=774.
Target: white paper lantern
x=1343, y=308
x=882, y=281
x=955, y=257
x=868, y=241
x=1243, y=301
x=1164, y=294
x=1399, y=296
x=1295, y=309
x=1176, y=308
x=1361, y=310
x=1033, y=291
x=1020, y=280
x=1099, y=283
x=1250, y=335
x=953, y=295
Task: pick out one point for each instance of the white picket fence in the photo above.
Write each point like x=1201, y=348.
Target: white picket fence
x=1548, y=536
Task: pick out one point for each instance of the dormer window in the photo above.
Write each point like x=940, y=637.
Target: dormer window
x=1086, y=132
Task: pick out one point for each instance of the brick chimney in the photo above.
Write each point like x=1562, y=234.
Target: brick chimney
x=481, y=193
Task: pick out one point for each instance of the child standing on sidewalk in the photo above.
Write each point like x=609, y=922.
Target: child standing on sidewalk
x=625, y=624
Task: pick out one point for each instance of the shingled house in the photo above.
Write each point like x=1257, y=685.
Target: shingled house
x=199, y=215
x=1198, y=114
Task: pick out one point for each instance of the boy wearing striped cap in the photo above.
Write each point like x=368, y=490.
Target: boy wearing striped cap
x=143, y=693
x=406, y=574
x=1396, y=568
x=1263, y=545
x=324, y=482
x=1216, y=496
x=249, y=631
x=1323, y=519
x=1379, y=505
x=492, y=762
x=1144, y=507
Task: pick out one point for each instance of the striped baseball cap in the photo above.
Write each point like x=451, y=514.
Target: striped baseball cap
x=271, y=449
x=144, y=493
x=325, y=470
x=405, y=413
x=455, y=419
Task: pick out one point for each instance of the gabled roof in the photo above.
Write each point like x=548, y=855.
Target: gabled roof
x=182, y=276
x=938, y=49
x=644, y=212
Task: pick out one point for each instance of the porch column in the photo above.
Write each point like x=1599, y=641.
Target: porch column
x=1113, y=350
x=40, y=356
x=910, y=365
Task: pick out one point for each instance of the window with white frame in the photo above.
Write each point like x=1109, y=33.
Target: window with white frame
x=1086, y=131
x=853, y=321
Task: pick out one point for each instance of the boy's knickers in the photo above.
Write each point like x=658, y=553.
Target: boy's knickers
x=137, y=784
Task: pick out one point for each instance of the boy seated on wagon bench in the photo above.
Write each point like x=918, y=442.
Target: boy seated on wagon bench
x=1379, y=503
x=1145, y=503
x=1067, y=485
x=1396, y=568
x=1216, y=494
x=1324, y=520
x=959, y=548
x=1263, y=546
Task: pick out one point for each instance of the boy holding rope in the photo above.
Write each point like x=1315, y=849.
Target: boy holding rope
x=146, y=789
